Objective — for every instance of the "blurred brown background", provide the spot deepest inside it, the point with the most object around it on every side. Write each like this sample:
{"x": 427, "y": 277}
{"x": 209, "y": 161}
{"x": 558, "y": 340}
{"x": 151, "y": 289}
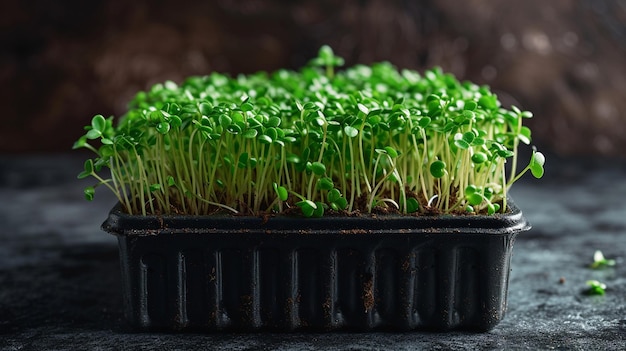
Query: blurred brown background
{"x": 61, "y": 62}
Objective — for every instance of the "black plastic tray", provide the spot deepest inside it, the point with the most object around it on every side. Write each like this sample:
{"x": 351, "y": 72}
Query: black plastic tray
{"x": 337, "y": 273}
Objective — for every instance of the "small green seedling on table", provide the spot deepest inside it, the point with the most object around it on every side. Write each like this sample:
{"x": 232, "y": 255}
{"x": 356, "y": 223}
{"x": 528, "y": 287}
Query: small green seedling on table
{"x": 595, "y": 287}
{"x": 600, "y": 262}
{"x": 365, "y": 139}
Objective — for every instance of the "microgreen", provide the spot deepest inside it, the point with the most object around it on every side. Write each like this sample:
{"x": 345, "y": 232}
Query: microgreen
{"x": 595, "y": 287}
{"x": 364, "y": 138}
{"x": 599, "y": 261}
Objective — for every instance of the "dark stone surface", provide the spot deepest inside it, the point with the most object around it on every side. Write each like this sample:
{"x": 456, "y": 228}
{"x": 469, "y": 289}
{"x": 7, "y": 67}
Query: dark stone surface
{"x": 60, "y": 280}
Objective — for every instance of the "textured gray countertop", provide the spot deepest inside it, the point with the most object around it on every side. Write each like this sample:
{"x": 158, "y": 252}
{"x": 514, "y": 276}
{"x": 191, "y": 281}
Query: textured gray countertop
{"x": 60, "y": 281}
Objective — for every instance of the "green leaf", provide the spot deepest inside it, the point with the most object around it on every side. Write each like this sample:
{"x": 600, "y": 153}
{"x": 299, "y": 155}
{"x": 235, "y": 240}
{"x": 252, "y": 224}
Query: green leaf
{"x": 334, "y": 195}
{"x": 363, "y": 108}
{"x": 340, "y": 204}
{"x": 307, "y": 207}
{"x": 412, "y": 205}
{"x": 272, "y": 133}
{"x": 374, "y": 120}
{"x": 475, "y": 199}
{"x": 391, "y": 152}
{"x": 253, "y": 162}
{"x": 264, "y": 139}
{"x": 536, "y": 164}
{"x": 155, "y": 187}
{"x": 374, "y": 112}
{"x": 488, "y": 192}
{"x": 234, "y": 129}
{"x": 299, "y": 105}
{"x": 479, "y": 157}
{"x": 325, "y": 183}
{"x": 98, "y": 122}
{"x": 326, "y": 53}
{"x": 478, "y": 141}
{"x": 175, "y": 121}
{"x": 434, "y": 106}
{"x": 505, "y": 153}
{"x": 595, "y": 287}
{"x": 225, "y": 120}
{"x": 468, "y": 115}
{"x": 424, "y": 122}
{"x": 246, "y": 107}
{"x": 93, "y": 134}
{"x": 319, "y": 121}
{"x": 171, "y": 181}
{"x": 319, "y": 210}
{"x": 470, "y": 106}
{"x": 318, "y": 168}
{"x": 461, "y": 144}
{"x": 311, "y": 106}
{"x": 293, "y": 158}
{"x": 350, "y": 131}
{"x": 281, "y": 191}
{"x": 468, "y": 137}
{"x": 491, "y": 209}
{"x": 80, "y": 143}
{"x": 488, "y": 102}
{"x": 273, "y": 122}
{"x": 163, "y": 127}
{"x": 450, "y": 127}
{"x": 205, "y": 108}
{"x": 88, "y": 166}
{"x": 155, "y": 116}
{"x": 599, "y": 261}
{"x": 438, "y": 169}
{"x": 89, "y": 193}
{"x": 470, "y": 189}
{"x": 250, "y": 133}
{"x": 238, "y": 118}
{"x": 539, "y": 158}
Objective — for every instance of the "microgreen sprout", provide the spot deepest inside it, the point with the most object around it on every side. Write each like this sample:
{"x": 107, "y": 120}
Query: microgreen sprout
{"x": 600, "y": 262}
{"x": 595, "y": 288}
{"x": 364, "y": 138}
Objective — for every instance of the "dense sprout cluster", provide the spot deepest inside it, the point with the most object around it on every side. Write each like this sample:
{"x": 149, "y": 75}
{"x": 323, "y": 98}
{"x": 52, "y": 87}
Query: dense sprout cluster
{"x": 367, "y": 138}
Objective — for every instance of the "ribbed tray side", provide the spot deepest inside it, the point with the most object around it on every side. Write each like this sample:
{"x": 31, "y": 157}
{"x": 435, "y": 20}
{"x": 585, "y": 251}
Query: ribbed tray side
{"x": 207, "y": 283}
